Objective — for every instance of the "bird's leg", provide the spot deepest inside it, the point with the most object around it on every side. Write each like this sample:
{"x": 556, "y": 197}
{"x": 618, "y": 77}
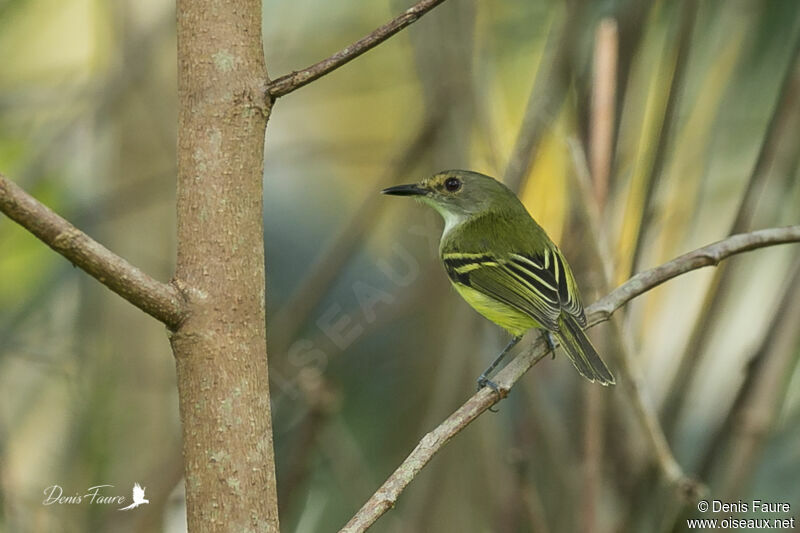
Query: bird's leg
{"x": 548, "y": 338}
{"x": 483, "y": 380}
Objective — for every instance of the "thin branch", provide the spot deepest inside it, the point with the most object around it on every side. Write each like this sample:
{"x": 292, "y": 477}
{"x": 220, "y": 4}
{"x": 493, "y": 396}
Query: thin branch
{"x": 710, "y": 255}
{"x": 160, "y": 300}
{"x": 386, "y": 496}
{"x": 288, "y": 83}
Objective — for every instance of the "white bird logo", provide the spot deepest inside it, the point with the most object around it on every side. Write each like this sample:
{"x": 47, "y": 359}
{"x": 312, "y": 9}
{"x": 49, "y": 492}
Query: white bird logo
{"x": 138, "y": 498}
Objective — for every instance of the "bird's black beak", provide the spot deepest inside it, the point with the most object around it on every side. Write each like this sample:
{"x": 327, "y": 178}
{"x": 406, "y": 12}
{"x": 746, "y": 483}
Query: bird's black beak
{"x": 405, "y": 190}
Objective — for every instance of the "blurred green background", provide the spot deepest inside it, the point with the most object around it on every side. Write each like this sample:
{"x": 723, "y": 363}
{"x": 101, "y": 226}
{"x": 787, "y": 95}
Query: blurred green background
{"x": 369, "y": 348}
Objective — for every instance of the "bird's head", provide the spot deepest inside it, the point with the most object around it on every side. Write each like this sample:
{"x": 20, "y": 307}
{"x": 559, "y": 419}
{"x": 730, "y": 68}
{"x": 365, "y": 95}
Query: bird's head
{"x": 459, "y": 194}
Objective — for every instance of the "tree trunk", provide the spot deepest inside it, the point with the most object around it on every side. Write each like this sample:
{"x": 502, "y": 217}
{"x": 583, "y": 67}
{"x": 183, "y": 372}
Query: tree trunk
{"x": 220, "y": 348}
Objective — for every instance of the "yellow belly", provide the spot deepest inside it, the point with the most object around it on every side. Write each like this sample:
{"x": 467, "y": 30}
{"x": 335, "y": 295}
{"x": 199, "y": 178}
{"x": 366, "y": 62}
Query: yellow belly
{"x": 505, "y": 316}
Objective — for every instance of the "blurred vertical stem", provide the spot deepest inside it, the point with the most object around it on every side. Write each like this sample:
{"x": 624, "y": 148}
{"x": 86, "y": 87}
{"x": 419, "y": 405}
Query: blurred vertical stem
{"x": 761, "y": 405}
{"x": 546, "y": 96}
{"x": 730, "y": 456}
{"x": 603, "y": 107}
{"x": 784, "y": 117}
{"x": 686, "y": 27}
{"x": 321, "y": 402}
{"x": 220, "y": 348}
{"x": 757, "y": 403}
{"x": 631, "y": 24}
{"x": 601, "y": 154}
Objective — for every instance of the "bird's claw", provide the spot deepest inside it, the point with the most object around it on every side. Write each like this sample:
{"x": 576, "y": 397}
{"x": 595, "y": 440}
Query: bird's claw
{"x": 548, "y": 337}
{"x": 483, "y": 381}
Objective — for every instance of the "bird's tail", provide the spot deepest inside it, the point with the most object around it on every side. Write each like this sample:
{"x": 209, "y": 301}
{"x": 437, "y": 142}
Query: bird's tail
{"x": 581, "y": 352}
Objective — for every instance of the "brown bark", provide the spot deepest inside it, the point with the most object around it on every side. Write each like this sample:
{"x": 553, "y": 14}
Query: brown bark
{"x": 220, "y": 347}
{"x": 157, "y": 299}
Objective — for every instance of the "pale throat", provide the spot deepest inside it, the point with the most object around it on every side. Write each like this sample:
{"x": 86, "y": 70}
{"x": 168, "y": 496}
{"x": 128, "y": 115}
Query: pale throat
{"x": 451, "y": 221}
{"x": 452, "y": 218}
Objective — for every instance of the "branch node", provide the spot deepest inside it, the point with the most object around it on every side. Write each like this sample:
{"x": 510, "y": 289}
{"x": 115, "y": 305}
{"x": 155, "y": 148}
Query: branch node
{"x": 689, "y": 489}
{"x": 388, "y": 502}
{"x": 66, "y": 237}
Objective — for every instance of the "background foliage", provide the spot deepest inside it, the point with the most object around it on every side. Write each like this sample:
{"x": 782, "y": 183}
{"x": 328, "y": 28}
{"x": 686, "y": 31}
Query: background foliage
{"x": 369, "y": 348}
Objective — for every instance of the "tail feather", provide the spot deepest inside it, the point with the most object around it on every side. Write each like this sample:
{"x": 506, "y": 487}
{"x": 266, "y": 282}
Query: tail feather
{"x": 581, "y": 352}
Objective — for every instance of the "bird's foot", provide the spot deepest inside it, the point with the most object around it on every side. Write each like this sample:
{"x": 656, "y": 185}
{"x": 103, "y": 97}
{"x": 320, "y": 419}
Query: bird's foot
{"x": 483, "y": 381}
{"x": 548, "y": 338}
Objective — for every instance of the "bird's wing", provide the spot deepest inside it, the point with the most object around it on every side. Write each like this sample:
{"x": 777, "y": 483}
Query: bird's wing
{"x": 568, "y": 294}
{"x": 531, "y": 284}
{"x": 138, "y": 492}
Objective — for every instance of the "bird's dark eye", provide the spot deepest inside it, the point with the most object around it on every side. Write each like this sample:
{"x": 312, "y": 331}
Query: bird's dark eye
{"x": 452, "y": 184}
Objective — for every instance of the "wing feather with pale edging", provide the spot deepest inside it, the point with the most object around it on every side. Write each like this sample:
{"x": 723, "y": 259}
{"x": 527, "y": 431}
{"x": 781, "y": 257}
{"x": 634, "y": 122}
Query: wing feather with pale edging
{"x": 540, "y": 286}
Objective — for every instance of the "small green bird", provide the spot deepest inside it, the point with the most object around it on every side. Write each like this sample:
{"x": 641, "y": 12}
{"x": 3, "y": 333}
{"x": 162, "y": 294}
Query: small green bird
{"x": 506, "y": 267}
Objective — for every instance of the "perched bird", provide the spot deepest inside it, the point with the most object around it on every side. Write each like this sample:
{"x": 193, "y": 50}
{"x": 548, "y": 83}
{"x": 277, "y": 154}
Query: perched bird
{"x": 506, "y": 267}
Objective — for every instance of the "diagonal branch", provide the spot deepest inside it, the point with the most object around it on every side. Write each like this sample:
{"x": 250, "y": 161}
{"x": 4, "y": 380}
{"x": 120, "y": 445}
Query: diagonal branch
{"x": 386, "y": 496}
{"x": 160, "y": 300}
{"x": 288, "y": 83}
{"x": 710, "y": 255}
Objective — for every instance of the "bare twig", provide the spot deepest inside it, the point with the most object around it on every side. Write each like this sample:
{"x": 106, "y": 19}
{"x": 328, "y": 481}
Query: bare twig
{"x": 160, "y": 300}
{"x": 710, "y": 255}
{"x": 288, "y": 83}
{"x": 600, "y": 311}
